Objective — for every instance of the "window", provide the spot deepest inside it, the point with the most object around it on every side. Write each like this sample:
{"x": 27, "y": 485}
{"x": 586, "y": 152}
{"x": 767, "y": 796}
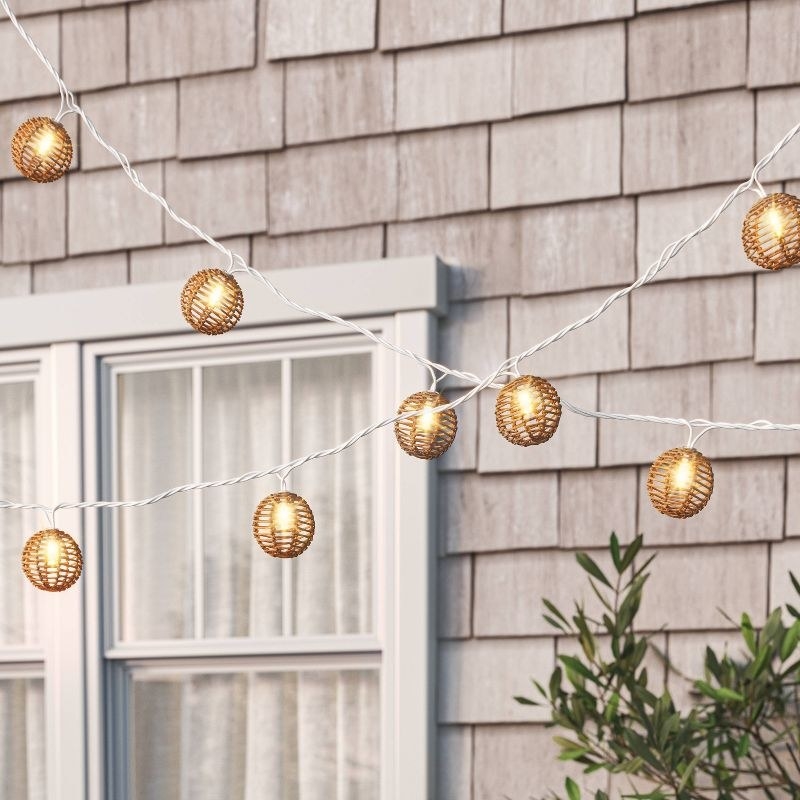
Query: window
{"x": 186, "y": 662}
{"x": 21, "y": 654}
{"x": 188, "y": 570}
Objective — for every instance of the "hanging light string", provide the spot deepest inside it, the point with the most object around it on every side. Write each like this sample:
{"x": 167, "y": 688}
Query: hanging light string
{"x": 509, "y": 367}
{"x": 236, "y": 263}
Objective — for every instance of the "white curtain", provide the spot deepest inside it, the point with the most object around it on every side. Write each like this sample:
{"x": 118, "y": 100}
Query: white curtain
{"x": 21, "y": 699}
{"x": 156, "y": 554}
{"x": 240, "y": 736}
{"x": 17, "y": 482}
{"x": 254, "y": 735}
{"x": 22, "y": 762}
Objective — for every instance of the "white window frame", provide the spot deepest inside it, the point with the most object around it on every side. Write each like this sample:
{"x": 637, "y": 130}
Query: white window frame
{"x": 397, "y": 298}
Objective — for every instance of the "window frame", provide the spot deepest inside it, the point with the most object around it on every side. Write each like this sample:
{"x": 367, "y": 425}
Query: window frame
{"x": 401, "y": 299}
{"x": 104, "y": 361}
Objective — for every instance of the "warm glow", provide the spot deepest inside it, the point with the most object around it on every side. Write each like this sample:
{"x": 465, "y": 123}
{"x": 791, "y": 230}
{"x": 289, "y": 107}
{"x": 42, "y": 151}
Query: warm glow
{"x": 215, "y": 296}
{"x": 45, "y": 143}
{"x": 683, "y": 475}
{"x": 426, "y": 421}
{"x": 53, "y": 552}
{"x": 284, "y": 517}
{"x": 776, "y": 220}
{"x": 528, "y": 401}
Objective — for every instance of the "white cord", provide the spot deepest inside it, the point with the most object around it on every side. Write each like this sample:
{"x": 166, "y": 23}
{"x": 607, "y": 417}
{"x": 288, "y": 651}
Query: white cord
{"x": 509, "y": 367}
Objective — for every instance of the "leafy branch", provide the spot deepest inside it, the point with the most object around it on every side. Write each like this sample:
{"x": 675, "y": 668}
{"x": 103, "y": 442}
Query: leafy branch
{"x": 741, "y": 735}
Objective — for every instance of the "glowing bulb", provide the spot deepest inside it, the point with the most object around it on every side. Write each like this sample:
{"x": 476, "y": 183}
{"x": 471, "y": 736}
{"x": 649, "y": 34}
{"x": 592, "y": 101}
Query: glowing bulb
{"x": 528, "y": 401}
{"x": 215, "y": 296}
{"x": 426, "y": 421}
{"x": 284, "y": 516}
{"x": 683, "y": 475}
{"x": 53, "y": 552}
{"x": 776, "y": 220}
{"x": 45, "y": 143}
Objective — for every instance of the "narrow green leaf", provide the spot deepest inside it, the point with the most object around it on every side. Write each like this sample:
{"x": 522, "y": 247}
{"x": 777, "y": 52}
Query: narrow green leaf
{"x": 795, "y": 582}
{"x": 589, "y": 565}
{"x": 554, "y": 611}
{"x": 743, "y": 746}
{"x": 631, "y": 551}
{"x": 793, "y": 611}
{"x": 615, "y": 556}
{"x": 573, "y": 792}
{"x": 577, "y": 666}
{"x": 790, "y": 639}
{"x": 729, "y": 694}
{"x": 525, "y": 701}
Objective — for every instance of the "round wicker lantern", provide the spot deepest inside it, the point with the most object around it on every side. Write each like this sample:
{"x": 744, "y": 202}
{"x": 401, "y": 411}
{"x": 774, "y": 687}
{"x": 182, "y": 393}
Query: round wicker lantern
{"x": 431, "y": 433}
{"x": 41, "y": 149}
{"x": 771, "y": 231}
{"x": 212, "y": 301}
{"x": 528, "y": 410}
{"x": 52, "y": 560}
{"x": 680, "y": 482}
{"x": 283, "y": 525}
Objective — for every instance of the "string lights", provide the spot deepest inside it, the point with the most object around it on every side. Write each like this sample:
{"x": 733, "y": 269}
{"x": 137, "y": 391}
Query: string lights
{"x": 771, "y": 231}
{"x": 283, "y": 525}
{"x": 41, "y": 150}
{"x": 212, "y": 301}
{"x": 680, "y": 482}
{"x": 528, "y": 409}
{"x": 430, "y": 433}
{"x": 52, "y": 560}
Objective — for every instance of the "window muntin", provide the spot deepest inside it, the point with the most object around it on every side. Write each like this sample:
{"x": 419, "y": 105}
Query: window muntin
{"x": 188, "y": 568}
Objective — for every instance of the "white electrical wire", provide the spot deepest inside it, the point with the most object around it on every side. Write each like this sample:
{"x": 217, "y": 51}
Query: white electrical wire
{"x": 509, "y": 367}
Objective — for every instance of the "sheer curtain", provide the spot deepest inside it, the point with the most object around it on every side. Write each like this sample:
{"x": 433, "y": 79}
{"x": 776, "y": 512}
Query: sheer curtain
{"x": 156, "y": 556}
{"x": 251, "y": 735}
{"x": 21, "y": 699}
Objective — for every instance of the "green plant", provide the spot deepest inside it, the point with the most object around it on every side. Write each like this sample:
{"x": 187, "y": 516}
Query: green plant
{"x": 741, "y": 737}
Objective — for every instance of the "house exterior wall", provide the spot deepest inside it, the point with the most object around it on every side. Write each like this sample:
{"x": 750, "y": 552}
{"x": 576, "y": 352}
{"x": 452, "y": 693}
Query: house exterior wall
{"x": 550, "y": 148}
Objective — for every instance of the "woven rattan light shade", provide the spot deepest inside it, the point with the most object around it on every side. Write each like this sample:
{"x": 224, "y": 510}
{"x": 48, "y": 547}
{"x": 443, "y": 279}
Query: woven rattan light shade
{"x": 212, "y": 301}
{"x": 41, "y": 149}
{"x": 429, "y": 434}
{"x": 528, "y": 410}
{"x": 283, "y": 525}
{"x": 52, "y": 560}
{"x": 680, "y": 482}
{"x": 771, "y": 231}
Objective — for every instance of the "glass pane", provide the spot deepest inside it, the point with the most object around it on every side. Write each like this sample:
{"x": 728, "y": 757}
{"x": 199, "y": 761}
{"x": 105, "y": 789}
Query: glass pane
{"x": 17, "y": 482}
{"x": 22, "y": 761}
{"x": 311, "y": 735}
{"x": 154, "y": 451}
{"x": 332, "y": 397}
{"x": 241, "y": 432}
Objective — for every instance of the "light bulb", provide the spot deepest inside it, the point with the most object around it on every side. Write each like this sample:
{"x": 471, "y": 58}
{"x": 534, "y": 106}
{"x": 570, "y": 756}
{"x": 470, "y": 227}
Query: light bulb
{"x": 283, "y": 525}
{"x": 212, "y": 301}
{"x": 45, "y": 143}
{"x": 215, "y": 296}
{"x": 680, "y": 482}
{"x": 528, "y": 401}
{"x": 52, "y": 560}
{"x": 776, "y": 221}
{"x": 426, "y": 421}
{"x": 284, "y": 516}
{"x": 683, "y": 475}
{"x": 53, "y": 552}
{"x": 41, "y": 149}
